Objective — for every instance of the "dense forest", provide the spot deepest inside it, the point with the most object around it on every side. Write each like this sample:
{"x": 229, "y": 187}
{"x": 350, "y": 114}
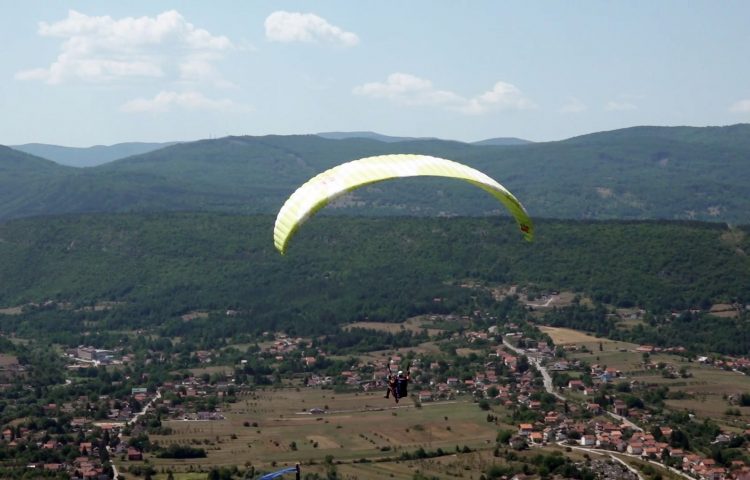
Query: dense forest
{"x": 633, "y": 173}
{"x": 698, "y": 332}
{"x": 140, "y": 271}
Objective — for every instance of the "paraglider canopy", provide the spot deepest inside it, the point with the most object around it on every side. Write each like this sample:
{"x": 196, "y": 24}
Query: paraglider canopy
{"x": 283, "y": 471}
{"x": 325, "y": 187}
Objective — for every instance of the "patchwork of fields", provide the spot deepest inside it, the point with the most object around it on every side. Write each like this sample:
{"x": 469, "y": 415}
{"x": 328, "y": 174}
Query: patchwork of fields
{"x": 274, "y": 427}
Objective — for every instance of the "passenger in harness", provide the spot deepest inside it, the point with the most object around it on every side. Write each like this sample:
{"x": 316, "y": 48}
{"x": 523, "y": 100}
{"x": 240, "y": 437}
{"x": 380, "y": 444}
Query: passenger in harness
{"x": 391, "y": 387}
{"x": 397, "y": 384}
{"x": 402, "y": 382}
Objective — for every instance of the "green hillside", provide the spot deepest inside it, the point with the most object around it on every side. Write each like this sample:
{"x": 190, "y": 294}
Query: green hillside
{"x": 25, "y": 182}
{"x": 342, "y": 269}
{"x": 635, "y": 173}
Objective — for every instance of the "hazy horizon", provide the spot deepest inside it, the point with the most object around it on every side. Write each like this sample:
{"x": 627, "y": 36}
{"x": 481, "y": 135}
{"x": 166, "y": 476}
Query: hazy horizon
{"x": 349, "y": 132}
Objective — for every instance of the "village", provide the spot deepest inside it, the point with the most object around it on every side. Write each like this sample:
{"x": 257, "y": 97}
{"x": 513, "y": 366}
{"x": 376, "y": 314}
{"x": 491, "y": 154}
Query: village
{"x": 554, "y": 393}
{"x": 625, "y": 436}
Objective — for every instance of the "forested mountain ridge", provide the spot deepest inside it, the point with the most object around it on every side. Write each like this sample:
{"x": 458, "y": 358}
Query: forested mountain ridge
{"x": 161, "y": 266}
{"x": 25, "y": 180}
{"x": 732, "y": 136}
{"x": 635, "y": 173}
{"x": 14, "y": 162}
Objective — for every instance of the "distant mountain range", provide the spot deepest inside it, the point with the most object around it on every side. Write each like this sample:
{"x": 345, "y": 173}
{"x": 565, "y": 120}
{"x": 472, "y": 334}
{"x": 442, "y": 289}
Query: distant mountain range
{"x": 634, "y": 173}
{"x": 500, "y": 141}
{"x": 101, "y": 154}
{"x": 503, "y": 141}
{"x": 89, "y": 156}
{"x": 370, "y": 135}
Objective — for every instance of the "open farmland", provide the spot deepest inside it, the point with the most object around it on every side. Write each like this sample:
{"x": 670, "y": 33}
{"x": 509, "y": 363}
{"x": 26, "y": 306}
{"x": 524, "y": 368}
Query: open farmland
{"x": 414, "y": 325}
{"x": 461, "y": 465}
{"x": 567, "y": 336}
{"x": 182, "y": 476}
{"x": 276, "y": 426}
{"x": 421, "y": 349}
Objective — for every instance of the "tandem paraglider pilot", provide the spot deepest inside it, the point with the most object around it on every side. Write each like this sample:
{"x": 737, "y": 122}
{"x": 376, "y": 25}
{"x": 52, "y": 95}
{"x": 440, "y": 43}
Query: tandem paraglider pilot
{"x": 398, "y": 384}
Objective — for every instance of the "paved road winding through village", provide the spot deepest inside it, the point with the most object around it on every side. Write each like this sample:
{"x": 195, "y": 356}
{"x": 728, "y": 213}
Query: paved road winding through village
{"x": 536, "y": 361}
{"x": 538, "y": 365}
{"x": 132, "y": 420}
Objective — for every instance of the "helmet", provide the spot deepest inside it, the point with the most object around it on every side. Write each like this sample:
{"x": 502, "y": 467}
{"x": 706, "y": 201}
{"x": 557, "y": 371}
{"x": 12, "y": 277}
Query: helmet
{"x": 400, "y": 372}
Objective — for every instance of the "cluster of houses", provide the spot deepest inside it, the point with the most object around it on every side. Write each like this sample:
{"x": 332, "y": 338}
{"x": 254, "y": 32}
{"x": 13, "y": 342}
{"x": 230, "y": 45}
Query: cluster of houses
{"x": 622, "y": 438}
{"x": 736, "y": 364}
{"x": 118, "y": 410}
{"x": 283, "y": 344}
{"x": 597, "y": 434}
{"x": 646, "y": 446}
{"x": 707, "y": 469}
{"x": 555, "y": 426}
{"x": 82, "y": 468}
{"x": 559, "y": 427}
{"x": 371, "y": 376}
{"x": 197, "y": 387}
{"x": 86, "y": 356}
{"x": 90, "y": 432}
{"x": 319, "y": 381}
{"x": 599, "y": 377}
{"x": 87, "y": 465}
{"x": 519, "y": 390}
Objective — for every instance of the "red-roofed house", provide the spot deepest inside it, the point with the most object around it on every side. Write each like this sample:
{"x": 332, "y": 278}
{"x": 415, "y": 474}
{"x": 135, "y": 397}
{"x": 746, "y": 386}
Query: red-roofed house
{"x": 575, "y": 385}
{"x": 134, "y": 454}
{"x": 588, "y": 440}
{"x": 525, "y": 429}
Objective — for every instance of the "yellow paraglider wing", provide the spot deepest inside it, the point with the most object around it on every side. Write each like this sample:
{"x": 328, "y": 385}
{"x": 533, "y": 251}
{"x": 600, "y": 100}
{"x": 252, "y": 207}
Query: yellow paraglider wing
{"x": 325, "y": 187}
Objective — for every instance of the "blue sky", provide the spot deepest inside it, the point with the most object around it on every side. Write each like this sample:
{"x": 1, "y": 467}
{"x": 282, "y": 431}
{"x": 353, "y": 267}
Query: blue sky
{"x": 80, "y": 73}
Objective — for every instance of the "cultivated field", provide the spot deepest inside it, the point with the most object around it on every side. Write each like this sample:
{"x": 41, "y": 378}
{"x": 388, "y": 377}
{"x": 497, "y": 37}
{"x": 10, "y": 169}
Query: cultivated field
{"x": 567, "y": 336}
{"x": 415, "y": 325}
{"x": 421, "y": 349}
{"x": 274, "y": 428}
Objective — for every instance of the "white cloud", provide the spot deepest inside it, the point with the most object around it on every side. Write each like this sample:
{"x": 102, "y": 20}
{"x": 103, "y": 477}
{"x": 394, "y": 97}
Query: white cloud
{"x": 573, "y": 105}
{"x": 409, "y": 90}
{"x": 166, "y": 101}
{"x": 503, "y": 96}
{"x": 619, "y": 106}
{"x": 287, "y": 27}
{"x": 200, "y": 68}
{"x": 102, "y": 49}
{"x": 743, "y": 106}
